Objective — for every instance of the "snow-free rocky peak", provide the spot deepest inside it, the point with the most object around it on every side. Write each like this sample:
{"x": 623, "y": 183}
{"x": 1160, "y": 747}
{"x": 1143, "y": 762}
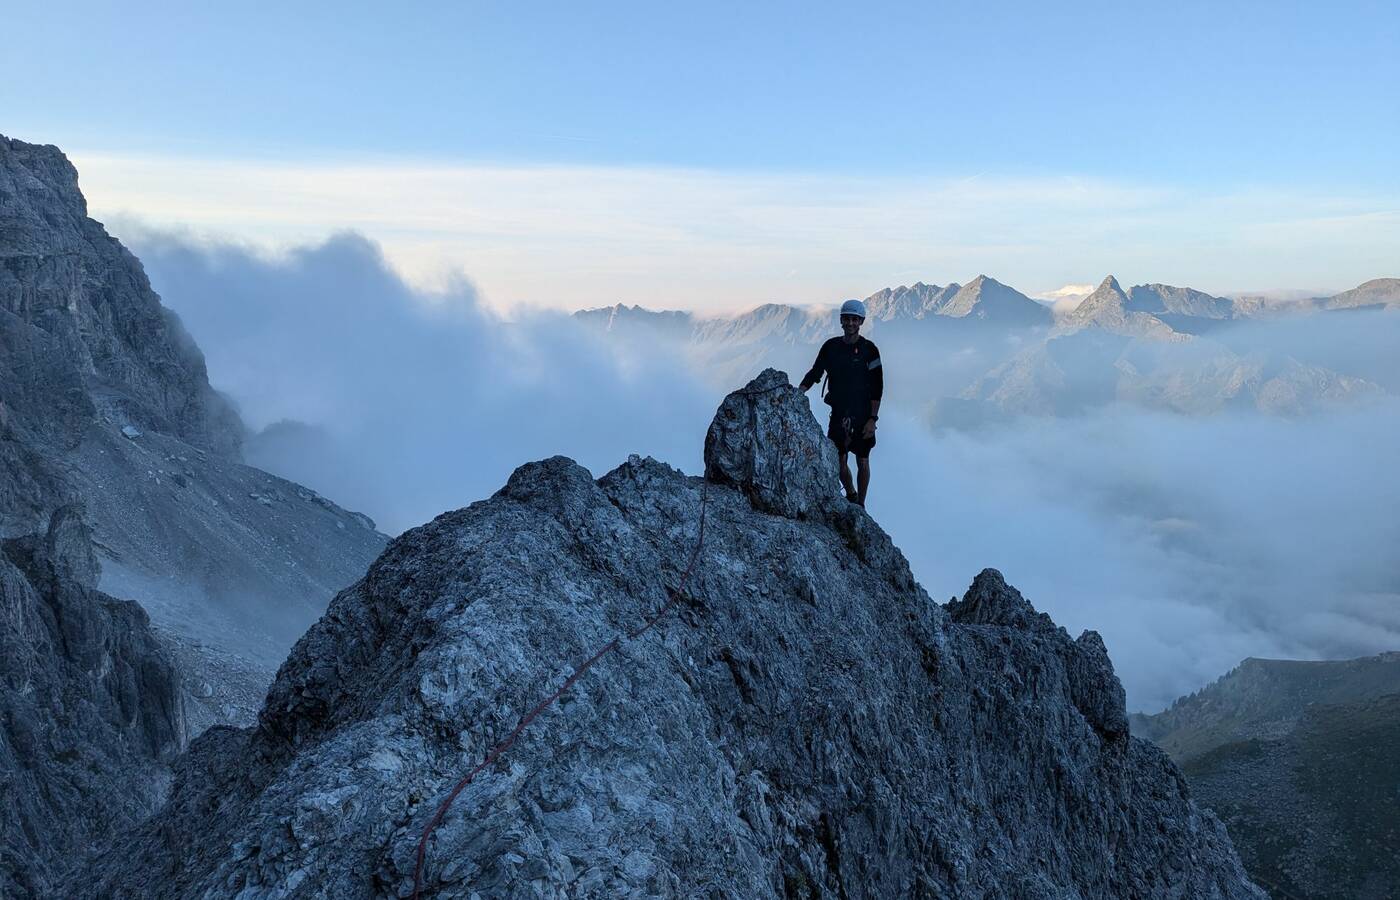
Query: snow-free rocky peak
{"x": 989, "y": 299}
{"x": 804, "y": 723}
{"x": 1109, "y": 308}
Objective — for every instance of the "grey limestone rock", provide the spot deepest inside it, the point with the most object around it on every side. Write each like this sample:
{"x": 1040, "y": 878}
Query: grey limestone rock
{"x": 1165, "y": 299}
{"x": 803, "y": 723}
{"x": 90, "y": 713}
{"x": 104, "y": 401}
{"x": 119, "y": 474}
{"x": 63, "y": 276}
{"x": 762, "y": 441}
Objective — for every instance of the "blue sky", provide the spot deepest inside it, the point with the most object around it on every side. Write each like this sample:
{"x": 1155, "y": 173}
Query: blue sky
{"x": 1198, "y": 101}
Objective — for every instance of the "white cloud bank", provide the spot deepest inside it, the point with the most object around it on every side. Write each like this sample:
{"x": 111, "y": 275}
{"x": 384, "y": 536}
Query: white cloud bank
{"x": 1189, "y": 543}
{"x": 579, "y": 236}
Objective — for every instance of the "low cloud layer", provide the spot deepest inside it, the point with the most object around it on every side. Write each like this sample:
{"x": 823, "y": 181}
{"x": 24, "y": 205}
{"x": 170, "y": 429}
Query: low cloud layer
{"x": 404, "y": 405}
{"x": 1189, "y": 543}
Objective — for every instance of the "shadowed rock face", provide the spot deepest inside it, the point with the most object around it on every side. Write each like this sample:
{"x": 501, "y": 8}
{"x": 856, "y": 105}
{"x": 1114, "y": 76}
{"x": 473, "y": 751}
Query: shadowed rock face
{"x": 67, "y": 283}
{"x": 90, "y": 712}
{"x": 104, "y": 401}
{"x": 806, "y": 722}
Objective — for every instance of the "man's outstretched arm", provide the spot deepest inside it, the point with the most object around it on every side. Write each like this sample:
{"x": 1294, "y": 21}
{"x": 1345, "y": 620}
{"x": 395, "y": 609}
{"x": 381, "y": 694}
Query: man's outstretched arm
{"x": 814, "y": 374}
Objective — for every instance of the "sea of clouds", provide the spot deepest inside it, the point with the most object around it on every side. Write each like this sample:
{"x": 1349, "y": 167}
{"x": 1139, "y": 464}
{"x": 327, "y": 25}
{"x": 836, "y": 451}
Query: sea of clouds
{"x": 1190, "y": 543}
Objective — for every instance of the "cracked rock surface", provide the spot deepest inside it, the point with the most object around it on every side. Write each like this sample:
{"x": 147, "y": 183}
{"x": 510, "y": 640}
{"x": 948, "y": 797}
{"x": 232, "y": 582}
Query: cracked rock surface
{"x": 90, "y": 712}
{"x": 805, "y": 723}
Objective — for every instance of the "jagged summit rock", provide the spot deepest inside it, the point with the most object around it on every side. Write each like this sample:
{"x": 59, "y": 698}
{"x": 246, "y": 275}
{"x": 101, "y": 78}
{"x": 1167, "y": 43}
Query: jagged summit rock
{"x": 765, "y": 442}
{"x": 805, "y": 722}
{"x": 1107, "y": 297}
{"x": 991, "y": 601}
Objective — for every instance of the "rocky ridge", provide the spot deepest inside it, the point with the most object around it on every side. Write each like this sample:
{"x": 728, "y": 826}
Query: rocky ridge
{"x": 806, "y": 722}
{"x": 1378, "y": 292}
{"x": 1165, "y": 299}
{"x": 1265, "y": 698}
{"x": 989, "y": 300}
{"x": 1071, "y": 373}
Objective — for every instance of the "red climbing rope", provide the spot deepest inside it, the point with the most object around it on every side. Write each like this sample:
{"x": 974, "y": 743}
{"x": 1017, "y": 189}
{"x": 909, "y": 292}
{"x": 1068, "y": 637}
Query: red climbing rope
{"x": 611, "y": 645}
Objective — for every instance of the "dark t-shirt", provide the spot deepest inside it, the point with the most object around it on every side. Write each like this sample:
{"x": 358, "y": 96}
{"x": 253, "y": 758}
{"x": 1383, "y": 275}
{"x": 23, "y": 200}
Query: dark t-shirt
{"x": 855, "y": 376}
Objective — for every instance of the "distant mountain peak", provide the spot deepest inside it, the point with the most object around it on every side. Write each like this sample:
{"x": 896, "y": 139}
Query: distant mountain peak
{"x": 1108, "y": 308}
{"x": 1158, "y": 299}
{"x": 1376, "y": 292}
{"x": 986, "y": 298}
{"x": 1389, "y": 283}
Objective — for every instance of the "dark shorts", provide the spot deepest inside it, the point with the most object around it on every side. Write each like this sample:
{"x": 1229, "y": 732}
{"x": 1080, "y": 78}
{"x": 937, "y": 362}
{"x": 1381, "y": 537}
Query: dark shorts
{"x": 845, "y": 433}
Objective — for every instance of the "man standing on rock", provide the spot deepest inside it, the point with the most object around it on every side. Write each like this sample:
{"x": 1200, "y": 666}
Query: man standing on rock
{"x": 855, "y": 383}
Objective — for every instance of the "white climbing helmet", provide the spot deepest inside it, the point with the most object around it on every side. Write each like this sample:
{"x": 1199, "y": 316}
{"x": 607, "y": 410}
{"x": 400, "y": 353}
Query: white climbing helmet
{"x": 853, "y": 308}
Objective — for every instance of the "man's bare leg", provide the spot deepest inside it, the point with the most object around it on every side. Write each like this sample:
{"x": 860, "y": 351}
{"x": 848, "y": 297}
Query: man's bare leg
{"x": 862, "y": 476}
{"x": 846, "y": 476}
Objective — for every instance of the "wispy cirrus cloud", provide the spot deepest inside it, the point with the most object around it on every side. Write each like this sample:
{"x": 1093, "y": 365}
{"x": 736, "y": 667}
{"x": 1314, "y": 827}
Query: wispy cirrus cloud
{"x": 569, "y": 236}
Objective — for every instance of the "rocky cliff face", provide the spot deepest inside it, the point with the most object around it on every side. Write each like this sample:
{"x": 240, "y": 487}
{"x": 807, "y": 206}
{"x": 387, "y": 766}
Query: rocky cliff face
{"x": 90, "y": 712}
{"x": 70, "y": 291}
{"x": 804, "y": 722}
{"x": 104, "y": 401}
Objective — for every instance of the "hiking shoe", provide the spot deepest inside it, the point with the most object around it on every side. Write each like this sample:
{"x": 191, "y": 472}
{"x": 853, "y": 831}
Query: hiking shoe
{"x": 853, "y": 497}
